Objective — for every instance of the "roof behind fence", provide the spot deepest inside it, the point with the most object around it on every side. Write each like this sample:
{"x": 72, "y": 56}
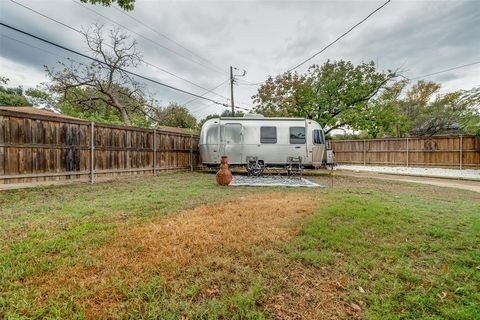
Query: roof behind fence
{"x": 38, "y": 111}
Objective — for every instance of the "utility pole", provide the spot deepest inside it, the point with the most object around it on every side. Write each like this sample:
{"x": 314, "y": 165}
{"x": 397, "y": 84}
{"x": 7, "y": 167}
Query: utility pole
{"x": 231, "y": 91}
{"x": 232, "y": 81}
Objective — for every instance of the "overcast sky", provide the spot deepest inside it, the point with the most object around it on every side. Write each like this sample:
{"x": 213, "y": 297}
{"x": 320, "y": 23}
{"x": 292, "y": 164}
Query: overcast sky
{"x": 262, "y": 37}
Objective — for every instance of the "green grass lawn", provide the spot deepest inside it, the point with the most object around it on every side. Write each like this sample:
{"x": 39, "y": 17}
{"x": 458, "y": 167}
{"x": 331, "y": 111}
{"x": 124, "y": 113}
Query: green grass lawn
{"x": 415, "y": 254}
{"x": 396, "y": 250}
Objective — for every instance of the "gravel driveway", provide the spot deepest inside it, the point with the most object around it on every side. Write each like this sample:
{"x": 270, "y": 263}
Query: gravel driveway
{"x": 414, "y": 171}
{"x": 441, "y": 182}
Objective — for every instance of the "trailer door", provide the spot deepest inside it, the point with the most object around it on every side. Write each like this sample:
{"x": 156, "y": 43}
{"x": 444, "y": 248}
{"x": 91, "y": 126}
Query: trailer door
{"x": 318, "y": 148}
{"x": 232, "y": 142}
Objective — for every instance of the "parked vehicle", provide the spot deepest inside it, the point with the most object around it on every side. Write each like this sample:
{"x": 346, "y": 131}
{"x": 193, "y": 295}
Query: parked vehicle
{"x": 257, "y": 141}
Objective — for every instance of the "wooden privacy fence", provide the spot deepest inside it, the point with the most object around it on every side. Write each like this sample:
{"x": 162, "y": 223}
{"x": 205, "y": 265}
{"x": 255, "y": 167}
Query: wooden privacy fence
{"x": 39, "y": 147}
{"x": 438, "y": 151}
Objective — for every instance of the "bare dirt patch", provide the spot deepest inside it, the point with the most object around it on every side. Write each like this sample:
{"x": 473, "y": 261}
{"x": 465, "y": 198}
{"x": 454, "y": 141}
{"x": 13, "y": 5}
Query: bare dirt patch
{"x": 226, "y": 231}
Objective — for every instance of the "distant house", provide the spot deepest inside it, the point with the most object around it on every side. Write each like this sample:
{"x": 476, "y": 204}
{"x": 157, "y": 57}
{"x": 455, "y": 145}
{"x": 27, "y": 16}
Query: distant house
{"x": 454, "y": 129}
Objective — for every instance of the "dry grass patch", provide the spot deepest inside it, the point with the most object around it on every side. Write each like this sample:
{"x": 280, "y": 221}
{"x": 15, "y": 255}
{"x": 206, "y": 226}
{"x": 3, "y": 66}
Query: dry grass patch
{"x": 224, "y": 234}
{"x": 187, "y": 238}
{"x": 310, "y": 293}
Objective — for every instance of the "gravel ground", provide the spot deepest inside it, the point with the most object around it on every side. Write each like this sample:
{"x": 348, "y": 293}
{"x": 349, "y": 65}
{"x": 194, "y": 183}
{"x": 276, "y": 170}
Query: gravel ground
{"x": 432, "y": 172}
{"x": 273, "y": 181}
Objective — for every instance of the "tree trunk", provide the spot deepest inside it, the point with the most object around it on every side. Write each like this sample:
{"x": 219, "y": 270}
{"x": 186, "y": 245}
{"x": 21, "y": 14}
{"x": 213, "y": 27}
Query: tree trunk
{"x": 121, "y": 109}
{"x": 125, "y": 118}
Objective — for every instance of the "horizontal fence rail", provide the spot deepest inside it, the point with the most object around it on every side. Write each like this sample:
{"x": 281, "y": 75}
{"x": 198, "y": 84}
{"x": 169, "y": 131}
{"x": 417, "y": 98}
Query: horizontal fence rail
{"x": 438, "y": 151}
{"x": 41, "y": 148}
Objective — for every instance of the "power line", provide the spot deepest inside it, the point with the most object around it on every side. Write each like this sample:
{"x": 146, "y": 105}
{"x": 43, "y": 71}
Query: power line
{"x": 340, "y": 37}
{"x": 45, "y": 16}
{"x": 443, "y": 71}
{"x": 207, "y": 92}
{"x": 329, "y": 45}
{"x": 166, "y": 37}
{"x": 248, "y": 83}
{"x": 111, "y": 66}
{"x": 200, "y": 108}
{"x": 32, "y": 46}
{"x": 183, "y": 79}
{"x": 194, "y": 110}
{"x": 146, "y": 38}
{"x": 146, "y": 62}
{"x": 242, "y": 108}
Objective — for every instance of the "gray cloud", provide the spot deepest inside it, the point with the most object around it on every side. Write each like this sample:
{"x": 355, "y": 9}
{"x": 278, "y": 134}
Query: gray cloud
{"x": 263, "y": 37}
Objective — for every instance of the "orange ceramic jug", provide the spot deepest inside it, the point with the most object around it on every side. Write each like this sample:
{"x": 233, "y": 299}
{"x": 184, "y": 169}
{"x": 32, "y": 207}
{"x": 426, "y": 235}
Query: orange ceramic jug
{"x": 224, "y": 175}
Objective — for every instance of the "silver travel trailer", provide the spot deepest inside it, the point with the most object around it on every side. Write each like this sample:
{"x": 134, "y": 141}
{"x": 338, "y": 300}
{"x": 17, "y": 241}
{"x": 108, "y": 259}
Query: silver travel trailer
{"x": 264, "y": 141}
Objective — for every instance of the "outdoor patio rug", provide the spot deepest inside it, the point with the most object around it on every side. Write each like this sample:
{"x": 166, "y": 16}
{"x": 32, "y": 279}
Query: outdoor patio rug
{"x": 274, "y": 181}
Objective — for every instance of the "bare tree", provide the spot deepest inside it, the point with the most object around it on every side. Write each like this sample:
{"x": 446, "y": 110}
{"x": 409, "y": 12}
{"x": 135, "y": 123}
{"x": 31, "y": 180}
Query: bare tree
{"x": 102, "y": 84}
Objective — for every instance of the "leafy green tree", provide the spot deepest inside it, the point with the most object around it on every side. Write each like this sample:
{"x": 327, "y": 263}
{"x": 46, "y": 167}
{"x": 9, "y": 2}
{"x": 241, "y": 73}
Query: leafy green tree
{"x": 99, "y": 110}
{"x": 427, "y": 112}
{"x": 382, "y": 115}
{"x": 225, "y": 113}
{"x": 175, "y": 115}
{"x": 11, "y": 96}
{"x": 335, "y": 94}
{"x": 228, "y": 113}
{"x": 210, "y": 116}
{"x": 350, "y": 136}
{"x": 41, "y": 98}
{"x": 472, "y": 99}
{"x": 126, "y": 5}
{"x": 420, "y": 111}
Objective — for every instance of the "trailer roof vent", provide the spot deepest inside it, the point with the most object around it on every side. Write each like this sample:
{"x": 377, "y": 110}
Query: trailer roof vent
{"x": 253, "y": 116}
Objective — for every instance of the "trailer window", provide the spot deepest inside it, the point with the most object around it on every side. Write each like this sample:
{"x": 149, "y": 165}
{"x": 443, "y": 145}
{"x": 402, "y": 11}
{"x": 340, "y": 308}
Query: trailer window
{"x": 297, "y": 135}
{"x": 268, "y": 134}
{"x": 318, "y": 137}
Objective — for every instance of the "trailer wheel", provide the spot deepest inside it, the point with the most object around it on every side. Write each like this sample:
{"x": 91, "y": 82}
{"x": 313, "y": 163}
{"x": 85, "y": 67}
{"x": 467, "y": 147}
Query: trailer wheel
{"x": 255, "y": 168}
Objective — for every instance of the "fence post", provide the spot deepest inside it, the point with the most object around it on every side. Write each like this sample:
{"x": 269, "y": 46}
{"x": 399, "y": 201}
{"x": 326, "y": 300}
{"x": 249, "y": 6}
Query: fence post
{"x": 407, "y": 151}
{"x": 461, "y": 151}
{"x": 364, "y": 154}
{"x": 92, "y": 153}
{"x": 154, "y": 152}
{"x": 191, "y": 154}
